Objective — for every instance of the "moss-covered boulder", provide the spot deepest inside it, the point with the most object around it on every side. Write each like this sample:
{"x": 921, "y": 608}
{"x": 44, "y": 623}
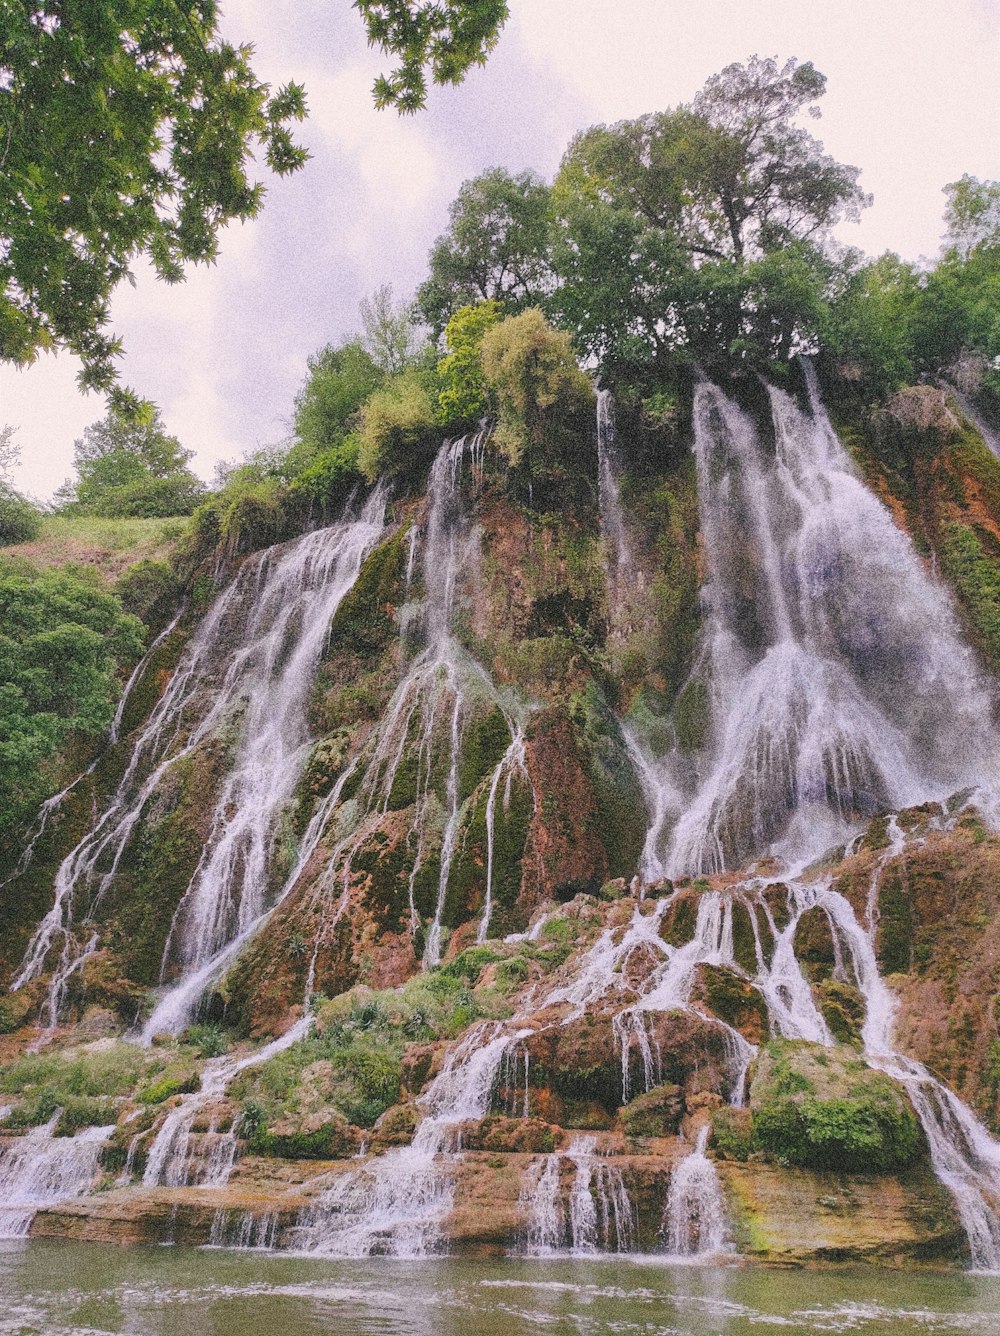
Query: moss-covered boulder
{"x": 825, "y": 1108}
{"x": 657, "y": 1113}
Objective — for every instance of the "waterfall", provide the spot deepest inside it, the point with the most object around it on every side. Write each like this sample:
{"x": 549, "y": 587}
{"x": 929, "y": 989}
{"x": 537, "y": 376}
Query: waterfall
{"x": 244, "y": 1229}
{"x": 694, "y": 1222}
{"x": 40, "y": 1169}
{"x": 837, "y": 681}
{"x": 395, "y": 1205}
{"x": 181, "y": 1157}
{"x": 595, "y": 1216}
{"x": 247, "y": 672}
{"x": 621, "y": 563}
{"x": 426, "y": 720}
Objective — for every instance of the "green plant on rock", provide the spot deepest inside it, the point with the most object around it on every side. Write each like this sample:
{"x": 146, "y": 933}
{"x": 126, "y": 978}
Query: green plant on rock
{"x": 540, "y": 391}
{"x": 463, "y": 396}
{"x": 824, "y": 1108}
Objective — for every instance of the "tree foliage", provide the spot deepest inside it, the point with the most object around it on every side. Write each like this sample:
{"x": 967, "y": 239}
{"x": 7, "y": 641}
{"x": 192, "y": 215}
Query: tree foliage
{"x": 700, "y": 227}
{"x": 495, "y": 248}
{"x": 19, "y": 519}
{"x": 972, "y": 216}
{"x": 463, "y": 393}
{"x": 128, "y": 130}
{"x": 392, "y": 337}
{"x": 444, "y": 38}
{"x": 338, "y": 382}
{"x": 396, "y": 419}
{"x": 128, "y": 465}
{"x": 538, "y": 388}
{"x": 62, "y": 641}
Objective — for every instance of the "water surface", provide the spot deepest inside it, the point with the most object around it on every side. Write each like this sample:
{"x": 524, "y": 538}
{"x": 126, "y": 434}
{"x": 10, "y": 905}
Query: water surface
{"x": 55, "y": 1289}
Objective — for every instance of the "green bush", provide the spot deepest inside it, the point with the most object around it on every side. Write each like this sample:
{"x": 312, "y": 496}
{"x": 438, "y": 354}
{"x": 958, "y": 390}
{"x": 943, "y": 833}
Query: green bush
{"x": 211, "y": 1041}
{"x": 168, "y": 1085}
{"x": 394, "y": 422}
{"x": 824, "y": 1108}
{"x": 540, "y": 391}
{"x": 471, "y": 963}
{"x": 19, "y": 519}
{"x": 150, "y": 591}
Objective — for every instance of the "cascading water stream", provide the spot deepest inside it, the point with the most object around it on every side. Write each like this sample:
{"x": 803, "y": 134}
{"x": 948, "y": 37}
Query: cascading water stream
{"x": 837, "y": 682}
{"x": 395, "y": 1205}
{"x": 694, "y": 1222}
{"x": 180, "y": 1157}
{"x": 248, "y": 670}
{"x": 427, "y": 717}
{"x": 40, "y": 1169}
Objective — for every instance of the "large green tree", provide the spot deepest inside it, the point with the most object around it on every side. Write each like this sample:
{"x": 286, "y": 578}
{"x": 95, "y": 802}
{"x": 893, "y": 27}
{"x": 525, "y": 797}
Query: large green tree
{"x": 496, "y": 248}
{"x": 62, "y": 642}
{"x": 128, "y": 464}
{"x": 700, "y": 227}
{"x": 130, "y": 128}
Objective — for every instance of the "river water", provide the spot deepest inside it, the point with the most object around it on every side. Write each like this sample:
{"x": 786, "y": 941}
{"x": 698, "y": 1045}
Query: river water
{"x": 58, "y": 1289}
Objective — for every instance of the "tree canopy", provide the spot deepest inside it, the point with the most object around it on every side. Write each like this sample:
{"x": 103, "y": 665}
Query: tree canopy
{"x": 129, "y": 129}
{"x": 671, "y": 229}
{"x": 63, "y": 639}
{"x": 444, "y": 38}
{"x": 495, "y": 248}
{"x": 129, "y": 465}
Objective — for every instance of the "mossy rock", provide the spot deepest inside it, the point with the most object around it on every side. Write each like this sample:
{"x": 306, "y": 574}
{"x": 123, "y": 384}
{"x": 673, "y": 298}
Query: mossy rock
{"x": 657, "y": 1113}
{"x": 823, "y": 1108}
{"x": 744, "y": 941}
{"x": 679, "y": 920}
{"x": 843, "y": 1009}
{"x": 894, "y": 936}
{"x": 733, "y": 1000}
{"x": 814, "y": 949}
{"x": 732, "y": 1133}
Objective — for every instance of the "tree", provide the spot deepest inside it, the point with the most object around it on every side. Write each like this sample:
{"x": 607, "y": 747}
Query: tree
{"x": 868, "y": 326}
{"x": 129, "y": 465}
{"x": 658, "y": 216}
{"x": 972, "y": 217}
{"x": 62, "y": 641}
{"x": 463, "y": 395}
{"x": 19, "y": 519}
{"x": 541, "y": 393}
{"x": 128, "y": 130}
{"x": 395, "y": 420}
{"x": 338, "y": 382}
{"x": 393, "y": 338}
{"x": 448, "y": 38}
{"x": 496, "y": 248}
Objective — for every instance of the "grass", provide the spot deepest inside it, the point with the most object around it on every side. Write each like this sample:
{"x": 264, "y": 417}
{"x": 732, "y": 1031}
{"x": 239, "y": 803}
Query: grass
{"x": 109, "y": 545}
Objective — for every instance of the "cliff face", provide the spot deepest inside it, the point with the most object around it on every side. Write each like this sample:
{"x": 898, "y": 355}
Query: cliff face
{"x": 400, "y": 779}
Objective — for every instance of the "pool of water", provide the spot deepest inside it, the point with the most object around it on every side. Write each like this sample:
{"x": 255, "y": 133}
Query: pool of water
{"x": 54, "y": 1289}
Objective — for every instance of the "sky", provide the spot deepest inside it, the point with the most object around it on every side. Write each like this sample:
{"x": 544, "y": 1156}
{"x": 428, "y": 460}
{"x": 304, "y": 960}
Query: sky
{"x": 913, "y": 98}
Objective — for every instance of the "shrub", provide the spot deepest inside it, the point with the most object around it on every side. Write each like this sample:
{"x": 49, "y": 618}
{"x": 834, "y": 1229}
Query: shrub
{"x": 471, "y": 963}
{"x": 823, "y": 1108}
{"x": 540, "y": 391}
{"x": 463, "y": 393}
{"x": 394, "y": 421}
{"x": 150, "y": 591}
{"x": 19, "y": 519}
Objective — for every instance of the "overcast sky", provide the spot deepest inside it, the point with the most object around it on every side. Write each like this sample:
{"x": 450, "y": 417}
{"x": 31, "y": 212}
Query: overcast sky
{"x": 913, "y": 98}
